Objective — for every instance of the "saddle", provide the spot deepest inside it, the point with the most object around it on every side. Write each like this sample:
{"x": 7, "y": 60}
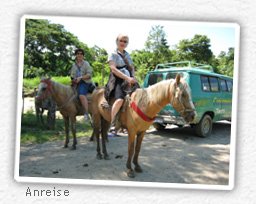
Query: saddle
{"x": 128, "y": 90}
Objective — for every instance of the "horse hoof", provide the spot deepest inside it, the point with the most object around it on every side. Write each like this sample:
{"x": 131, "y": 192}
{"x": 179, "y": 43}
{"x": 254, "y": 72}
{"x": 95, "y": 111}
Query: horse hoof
{"x": 73, "y": 148}
{"x": 106, "y": 157}
{"x": 138, "y": 169}
{"x": 130, "y": 173}
{"x": 65, "y": 146}
{"x": 99, "y": 156}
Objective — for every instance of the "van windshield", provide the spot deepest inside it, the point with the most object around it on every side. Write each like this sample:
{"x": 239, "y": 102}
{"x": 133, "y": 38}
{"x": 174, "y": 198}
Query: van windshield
{"x": 154, "y": 78}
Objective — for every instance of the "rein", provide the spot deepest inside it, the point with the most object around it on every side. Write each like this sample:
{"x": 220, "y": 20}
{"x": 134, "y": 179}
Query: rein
{"x": 68, "y": 101}
{"x": 48, "y": 89}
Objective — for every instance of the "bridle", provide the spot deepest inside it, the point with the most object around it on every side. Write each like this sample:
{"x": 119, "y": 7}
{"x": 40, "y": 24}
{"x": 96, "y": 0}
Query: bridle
{"x": 47, "y": 91}
{"x": 179, "y": 99}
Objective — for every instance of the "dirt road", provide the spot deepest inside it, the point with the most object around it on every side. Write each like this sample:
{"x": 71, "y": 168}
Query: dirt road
{"x": 173, "y": 156}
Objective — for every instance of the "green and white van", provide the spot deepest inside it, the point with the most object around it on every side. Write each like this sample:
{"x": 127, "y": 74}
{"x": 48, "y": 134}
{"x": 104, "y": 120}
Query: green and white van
{"x": 211, "y": 95}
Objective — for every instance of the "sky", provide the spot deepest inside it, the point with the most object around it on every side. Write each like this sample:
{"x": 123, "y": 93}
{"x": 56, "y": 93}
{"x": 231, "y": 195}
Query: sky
{"x": 103, "y": 31}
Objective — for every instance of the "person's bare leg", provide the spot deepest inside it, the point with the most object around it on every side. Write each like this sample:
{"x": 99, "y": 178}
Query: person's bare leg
{"x": 115, "y": 108}
{"x": 84, "y": 102}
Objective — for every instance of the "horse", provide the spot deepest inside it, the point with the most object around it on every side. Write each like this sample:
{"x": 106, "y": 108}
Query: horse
{"x": 139, "y": 113}
{"x": 67, "y": 103}
{"x": 42, "y": 105}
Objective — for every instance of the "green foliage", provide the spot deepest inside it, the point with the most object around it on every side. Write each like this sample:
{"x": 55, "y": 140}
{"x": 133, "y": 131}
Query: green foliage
{"x": 49, "y": 49}
{"x": 144, "y": 62}
{"x": 157, "y": 45}
{"x": 30, "y": 84}
{"x": 62, "y": 79}
{"x": 197, "y": 49}
{"x": 225, "y": 63}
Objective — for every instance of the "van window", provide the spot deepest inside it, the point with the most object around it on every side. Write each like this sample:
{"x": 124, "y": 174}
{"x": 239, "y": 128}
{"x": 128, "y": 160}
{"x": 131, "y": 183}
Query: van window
{"x": 223, "y": 85}
{"x": 172, "y": 75}
{"x": 154, "y": 78}
{"x": 214, "y": 84}
{"x": 230, "y": 85}
{"x": 205, "y": 83}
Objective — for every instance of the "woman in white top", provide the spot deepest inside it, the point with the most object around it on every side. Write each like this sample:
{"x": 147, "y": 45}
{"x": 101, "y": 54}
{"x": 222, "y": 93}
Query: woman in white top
{"x": 122, "y": 68}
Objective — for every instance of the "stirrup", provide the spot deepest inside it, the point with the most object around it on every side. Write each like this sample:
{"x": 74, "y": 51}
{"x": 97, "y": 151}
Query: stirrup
{"x": 105, "y": 105}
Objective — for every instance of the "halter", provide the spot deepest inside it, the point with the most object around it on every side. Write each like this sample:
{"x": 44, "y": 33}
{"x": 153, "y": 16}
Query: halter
{"x": 184, "y": 109}
{"x": 48, "y": 90}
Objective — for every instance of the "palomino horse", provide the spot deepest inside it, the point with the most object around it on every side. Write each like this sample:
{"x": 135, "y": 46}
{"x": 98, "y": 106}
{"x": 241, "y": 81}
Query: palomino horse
{"x": 143, "y": 106}
{"x": 67, "y": 102}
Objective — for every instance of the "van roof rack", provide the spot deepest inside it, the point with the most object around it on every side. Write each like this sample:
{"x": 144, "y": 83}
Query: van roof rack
{"x": 186, "y": 64}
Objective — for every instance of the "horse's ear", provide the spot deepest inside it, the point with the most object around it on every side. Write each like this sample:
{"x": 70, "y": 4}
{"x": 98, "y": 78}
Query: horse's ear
{"x": 177, "y": 79}
{"x": 48, "y": 77}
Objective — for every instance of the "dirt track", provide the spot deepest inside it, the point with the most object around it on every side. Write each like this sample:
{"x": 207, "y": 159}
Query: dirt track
{"x": 172, "y": 156}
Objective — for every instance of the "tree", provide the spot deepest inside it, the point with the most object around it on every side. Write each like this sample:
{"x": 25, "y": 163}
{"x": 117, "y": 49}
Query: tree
{"x": 100, "y": 66}
{"x": 156, "y": 39}
{"x": 226, "y": 62}
{"x": 49, "y": 48}
{"x": 157, "y": 44}
{"x": 144, "y": 62}
{"x": 197, "y": 49}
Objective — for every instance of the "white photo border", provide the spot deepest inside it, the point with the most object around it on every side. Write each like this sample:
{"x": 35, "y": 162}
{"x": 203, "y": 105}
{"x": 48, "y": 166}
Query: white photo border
{"x": 233, "y": 136}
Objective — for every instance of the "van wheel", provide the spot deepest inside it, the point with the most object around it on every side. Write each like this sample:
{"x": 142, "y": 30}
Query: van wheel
{"x": 159, "y": 126}
{"x": 204, "y": 127}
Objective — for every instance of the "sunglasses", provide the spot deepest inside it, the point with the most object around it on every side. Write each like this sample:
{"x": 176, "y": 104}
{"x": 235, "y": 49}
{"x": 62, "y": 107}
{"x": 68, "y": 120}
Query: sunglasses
{"x": 124, "y": 41}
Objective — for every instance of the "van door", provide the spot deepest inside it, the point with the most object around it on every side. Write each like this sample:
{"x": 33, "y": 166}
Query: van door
{"x": 226, "y": 103}
{"x": 211, "y": 93}
{"x": 216, "y": 97}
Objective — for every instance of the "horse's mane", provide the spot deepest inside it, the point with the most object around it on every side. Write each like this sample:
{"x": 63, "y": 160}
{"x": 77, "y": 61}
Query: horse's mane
{"x": 157, "y": 92}
{"x": 154, "y": 93}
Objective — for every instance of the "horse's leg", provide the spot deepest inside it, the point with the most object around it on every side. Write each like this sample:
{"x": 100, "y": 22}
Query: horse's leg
{"x": 104, "y": 134}
{"x": 41, "y": 116}
{"x": 49, "y": 122}
{"x": 66, "y": 120}
{"x": 37, "y": 114}
{"x": 139, "y": 139}
{"x": 93, "y": 133}
{"x": 96, "y": 131}
{"x": 73, "y": 128}
{"x": 131, "y": 138}
{"x": 92, "y": 136}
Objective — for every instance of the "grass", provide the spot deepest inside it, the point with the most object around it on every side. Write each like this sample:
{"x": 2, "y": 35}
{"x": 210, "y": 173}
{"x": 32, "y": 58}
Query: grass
{"x": 31, "y": 132}
{"x": 30, "y": 84}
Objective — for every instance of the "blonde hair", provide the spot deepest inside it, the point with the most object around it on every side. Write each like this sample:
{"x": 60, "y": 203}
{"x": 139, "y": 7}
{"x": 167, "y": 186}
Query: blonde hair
{"x": 121, "y": 36}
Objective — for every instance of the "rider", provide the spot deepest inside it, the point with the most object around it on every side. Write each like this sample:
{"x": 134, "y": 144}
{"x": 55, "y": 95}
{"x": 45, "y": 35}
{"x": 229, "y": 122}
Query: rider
{"x": 81, "y": 73}
{"x": 122, "y": 69}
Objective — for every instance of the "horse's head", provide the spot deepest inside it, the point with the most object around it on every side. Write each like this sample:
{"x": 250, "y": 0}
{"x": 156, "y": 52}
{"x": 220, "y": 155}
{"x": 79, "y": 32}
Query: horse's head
{"x": 181, "y": 99}
{"x": 44, "y": 89}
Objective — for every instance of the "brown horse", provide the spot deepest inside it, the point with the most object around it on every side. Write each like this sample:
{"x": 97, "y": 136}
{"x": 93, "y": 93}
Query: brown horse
{"x": 67, "y": 102}
{"x": 139, "y": 114}
{"x": 42, "y": 105}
